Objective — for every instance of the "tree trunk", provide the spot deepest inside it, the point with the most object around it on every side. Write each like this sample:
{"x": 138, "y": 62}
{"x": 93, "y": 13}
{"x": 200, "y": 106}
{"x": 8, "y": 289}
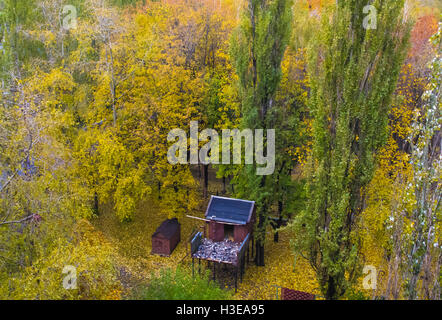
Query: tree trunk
{"x": 279, "y": 223}
{"x": 159, "y": 190}
{"x": 276, "y": 237}
{"x": 331, "y": 290}
{"x": 259, "y": 254}
{"x": 206, "y": 180}
{"x": 259, "y": 258}
{"x": 96, "y": 204}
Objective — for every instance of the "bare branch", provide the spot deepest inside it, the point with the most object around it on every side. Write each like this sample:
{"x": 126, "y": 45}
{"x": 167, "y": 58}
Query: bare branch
{"x": 17, "y": 221}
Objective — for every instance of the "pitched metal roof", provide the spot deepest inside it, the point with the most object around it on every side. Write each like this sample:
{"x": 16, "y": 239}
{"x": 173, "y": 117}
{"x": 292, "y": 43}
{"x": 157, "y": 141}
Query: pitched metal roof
{"x": 168, "y": 228}
{"x": 230, "y": 210}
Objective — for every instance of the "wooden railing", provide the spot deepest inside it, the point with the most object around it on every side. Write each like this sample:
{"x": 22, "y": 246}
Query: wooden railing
{"x": 196, "y": 242}
{"x": 242, "y": 249}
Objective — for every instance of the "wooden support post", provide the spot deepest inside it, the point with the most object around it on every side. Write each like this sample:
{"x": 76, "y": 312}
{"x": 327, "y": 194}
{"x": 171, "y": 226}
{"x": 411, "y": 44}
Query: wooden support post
{"x": 248, "y": 248}
{"x": 236, "y": 279}
{"x": 193, "y": 270}
{"x": 240, "y": 269}
{"x": 214, "y": 270}
{"x": 199, "y": 266}
{"x": 208, "y": 267}
{"x": 244, "y": 268}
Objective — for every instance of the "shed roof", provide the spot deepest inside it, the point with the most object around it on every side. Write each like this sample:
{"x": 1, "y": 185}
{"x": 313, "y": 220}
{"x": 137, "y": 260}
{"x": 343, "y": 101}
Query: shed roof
{"x": 168, "y": 228}
{"x": 230, "y": 210}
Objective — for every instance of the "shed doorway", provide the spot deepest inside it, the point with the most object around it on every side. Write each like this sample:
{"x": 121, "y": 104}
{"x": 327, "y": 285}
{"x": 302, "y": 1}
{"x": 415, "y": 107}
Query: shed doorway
{"x": 229, "y": 232}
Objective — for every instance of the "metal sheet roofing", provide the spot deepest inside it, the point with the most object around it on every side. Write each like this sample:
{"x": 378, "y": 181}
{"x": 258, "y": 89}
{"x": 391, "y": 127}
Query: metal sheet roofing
{"x": 167, "y": 229}
{"x": 230, "y": 210}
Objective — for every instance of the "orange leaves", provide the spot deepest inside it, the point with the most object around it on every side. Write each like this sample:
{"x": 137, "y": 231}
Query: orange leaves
{"x": 317, "y": 4}
{"x": 424, "y": 28}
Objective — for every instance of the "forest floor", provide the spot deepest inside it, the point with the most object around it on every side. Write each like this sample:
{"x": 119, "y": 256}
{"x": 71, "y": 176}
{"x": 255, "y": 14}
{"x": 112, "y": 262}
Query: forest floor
{"x": 133, "y": 243}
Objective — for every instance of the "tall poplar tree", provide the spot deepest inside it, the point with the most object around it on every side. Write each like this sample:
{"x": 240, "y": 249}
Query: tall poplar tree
{"x": 258, "y": 47}
{"x": 426, "y": 158}
{"x": 354, "y": 66}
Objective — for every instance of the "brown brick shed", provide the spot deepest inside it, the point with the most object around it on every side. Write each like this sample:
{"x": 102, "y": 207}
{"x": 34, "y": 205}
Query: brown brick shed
{"x": 166, "y": 237}
{"x": 230, "y": 218}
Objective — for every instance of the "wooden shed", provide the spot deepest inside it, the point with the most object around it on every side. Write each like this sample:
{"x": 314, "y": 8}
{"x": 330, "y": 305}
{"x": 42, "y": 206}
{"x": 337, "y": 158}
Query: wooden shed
{"x": 166, "y": 237}
{"x": 230, "y": 219}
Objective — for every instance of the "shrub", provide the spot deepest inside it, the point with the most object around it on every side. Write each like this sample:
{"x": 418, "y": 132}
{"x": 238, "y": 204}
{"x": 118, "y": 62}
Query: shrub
{"x": 180, "y": 285}
{"x": 354, "y": 294}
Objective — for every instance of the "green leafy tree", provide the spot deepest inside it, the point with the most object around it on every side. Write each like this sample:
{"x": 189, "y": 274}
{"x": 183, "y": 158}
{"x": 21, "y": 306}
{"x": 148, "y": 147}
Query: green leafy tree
{"x": 258, "y": 47}
{"x": 353, "y": 70}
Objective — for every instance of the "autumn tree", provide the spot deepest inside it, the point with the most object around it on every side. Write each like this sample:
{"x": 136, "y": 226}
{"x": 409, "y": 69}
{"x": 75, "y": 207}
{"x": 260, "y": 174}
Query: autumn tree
{"x": 386, "y": 227}
{"x": 258, "y": 47}
{"x": 426, "y": 157}
{"x": 353, "y": 71}
{"x": 41, "y": 198}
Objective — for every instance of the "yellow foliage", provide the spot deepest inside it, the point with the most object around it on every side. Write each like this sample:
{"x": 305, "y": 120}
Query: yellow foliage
{"x": 388, "y": 201}
{"x": 91, "y": 255}
{"x": 133, "y": 243}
